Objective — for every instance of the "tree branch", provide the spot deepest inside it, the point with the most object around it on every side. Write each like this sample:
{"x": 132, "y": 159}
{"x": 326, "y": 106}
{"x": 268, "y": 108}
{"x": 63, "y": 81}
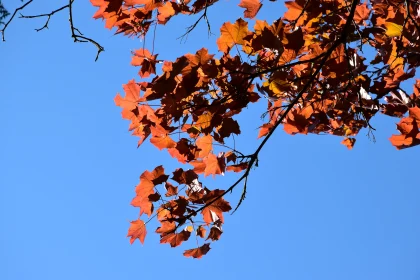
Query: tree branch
{"x": 11, "y": 18}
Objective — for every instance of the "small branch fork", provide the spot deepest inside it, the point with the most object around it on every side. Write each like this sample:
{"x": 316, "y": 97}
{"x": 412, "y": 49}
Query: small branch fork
{"x": 11, "y": 18}
{"x": 81, "y": 38}
{"x": 75, "y": 32}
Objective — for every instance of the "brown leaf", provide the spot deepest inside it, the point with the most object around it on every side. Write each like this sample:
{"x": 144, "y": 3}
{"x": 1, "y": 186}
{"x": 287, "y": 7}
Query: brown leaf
{"x": 176, "y": 239}
{"x": 237, "y": 167}
{"x": 197, "y": 253}
{"x": 170, "y": 189}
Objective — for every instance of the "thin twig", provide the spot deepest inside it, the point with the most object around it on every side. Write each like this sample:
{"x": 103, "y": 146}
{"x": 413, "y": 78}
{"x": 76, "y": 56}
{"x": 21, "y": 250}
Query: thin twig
{"x": 80, "y": 38}
{"x": 49, "y": 15}
{"x": 11, "y": 18}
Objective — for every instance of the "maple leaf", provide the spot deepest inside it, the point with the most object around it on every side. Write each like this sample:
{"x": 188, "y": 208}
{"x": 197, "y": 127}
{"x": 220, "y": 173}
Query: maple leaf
{"x": 214, "y": 211}
{"x": 362, "y": 13}
{"x": 349, "y": 142}
{"x": 148, "y": 180}
{"x": 215, "y": 233}
{"x": 265, "y": 129}
{"x": 146, "y": 60}
{"x": 252, "y": 7}
{"x": 170, "y": 189}
{"x": 176, "y": 239}
{"x": 165, "y": 12}
{"x": 232, "y": 34}
{"x": 205, "y": 145}
{"x": 137, "y": 230}
{"x": 184, "y": 177}
{"x": 161, "y": 139}
{"x": 132, "y": 96}
{"x": 213, "y": 165}
{"x": 197, "y": 253}
{"x": 294, "y": 9}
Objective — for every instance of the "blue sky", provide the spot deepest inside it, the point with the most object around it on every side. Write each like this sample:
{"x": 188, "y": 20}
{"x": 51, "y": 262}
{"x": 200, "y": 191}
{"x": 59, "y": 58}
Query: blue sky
{"x": 314, "y": 210}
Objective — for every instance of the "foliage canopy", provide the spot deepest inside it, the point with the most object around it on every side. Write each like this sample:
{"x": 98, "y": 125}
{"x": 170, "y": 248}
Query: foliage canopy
{"x": 308, "y": 66}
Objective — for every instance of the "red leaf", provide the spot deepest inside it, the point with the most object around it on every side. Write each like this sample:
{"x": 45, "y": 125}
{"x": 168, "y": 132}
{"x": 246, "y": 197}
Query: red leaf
{"x": 197, "y": 253}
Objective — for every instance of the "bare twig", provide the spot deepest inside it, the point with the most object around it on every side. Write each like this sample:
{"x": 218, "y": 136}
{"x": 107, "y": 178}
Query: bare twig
{"x": 49, "y": 15}
{"x": 11, "y": 18}
{"x": 192, "y": 27}
{"x": 80, "y": 38}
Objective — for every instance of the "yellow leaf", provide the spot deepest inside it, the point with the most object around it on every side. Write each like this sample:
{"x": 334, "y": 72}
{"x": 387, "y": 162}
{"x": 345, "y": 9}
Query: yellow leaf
{"x": 189, "y": 228}
{"x": 393, "y": 29}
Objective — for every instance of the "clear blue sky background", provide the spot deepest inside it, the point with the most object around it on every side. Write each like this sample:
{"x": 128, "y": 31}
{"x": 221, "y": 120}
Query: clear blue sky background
{"x": 68, "y": 167}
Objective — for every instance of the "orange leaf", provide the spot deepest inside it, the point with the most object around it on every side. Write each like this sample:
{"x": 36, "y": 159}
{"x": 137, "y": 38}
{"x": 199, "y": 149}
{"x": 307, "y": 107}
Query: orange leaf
{"x": 161, "y": 139}
{"x": 197, "y": 253}
{"x": 205, "y": 145}
{"x": 132, "y": 96}
{"x": 252, "y": 7}
{"x": 214, "y": 211}
{"x": 349, "y": 142}
{"x": 232, "y": 34}
{"x": 294, "y": 9}
{"x": 265, "y": 129}
{"x": 137, "y": 230}
{"x": 148, "y": 180}
{"x": 204, "y": 120}
{"x": 214, "y": 165}
{"x": 165, "y": 12}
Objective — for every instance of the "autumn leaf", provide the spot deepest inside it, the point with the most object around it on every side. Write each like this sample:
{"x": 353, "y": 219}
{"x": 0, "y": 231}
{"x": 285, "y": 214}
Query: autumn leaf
{"x": 214, "y": 211}
{"x": 132, "y": 96}
{"x": 251, "y": 7}
{"x": 176, "y": 239}
{"x": 205, "y": 145}
{"x": 215, "y": 233}
{"x": 137, "y": 230}
{"x": 393, "y": 29}
{"x": 349, "y": 142}
{"x": 232, "y": 34}
{"x": 148, "y": 181}
{"x": 161, "y": 139}
{"x": 294, "y": 9}
{"x": 201, "y": 231}
{"x": 170, "y": 189}
{"x": 213, "y": 165}
{"x": 197, "y": 253}
{"x": 237, "y": 167}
